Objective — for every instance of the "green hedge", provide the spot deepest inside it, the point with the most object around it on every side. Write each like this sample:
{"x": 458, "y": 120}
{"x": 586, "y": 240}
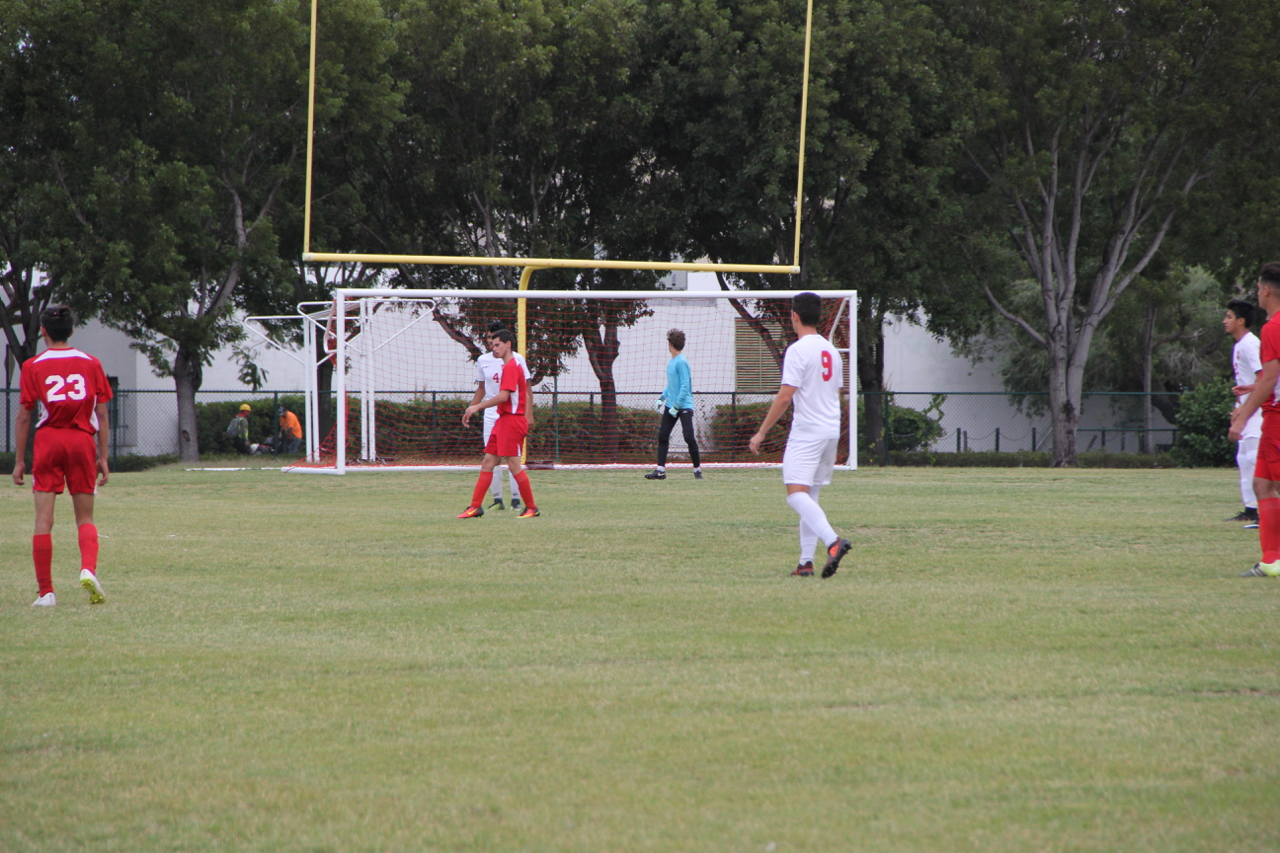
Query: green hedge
{"x": 426, "y": 428}
{"x": 1018, "y": 459}
{"x": 124, "y": 464}
{"x": 906, "y": 429}
{"x": 212, "y": 420}
{"x": 1204, "y": 415}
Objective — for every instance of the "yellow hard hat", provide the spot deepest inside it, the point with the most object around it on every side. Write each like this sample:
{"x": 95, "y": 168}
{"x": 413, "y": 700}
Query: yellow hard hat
{"x": 245, "y": 407}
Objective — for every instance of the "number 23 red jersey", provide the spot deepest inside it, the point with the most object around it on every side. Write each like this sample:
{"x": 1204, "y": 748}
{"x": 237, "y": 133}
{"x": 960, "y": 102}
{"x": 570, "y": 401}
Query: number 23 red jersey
{"x": 68, "y": 384}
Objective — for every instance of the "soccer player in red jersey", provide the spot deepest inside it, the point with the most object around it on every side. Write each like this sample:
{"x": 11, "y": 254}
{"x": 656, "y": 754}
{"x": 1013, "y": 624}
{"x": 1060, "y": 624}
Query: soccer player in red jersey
{"x": 72, "y": 392}
{"x": 508, "y": 433}
{"x": 1267, "y": 471}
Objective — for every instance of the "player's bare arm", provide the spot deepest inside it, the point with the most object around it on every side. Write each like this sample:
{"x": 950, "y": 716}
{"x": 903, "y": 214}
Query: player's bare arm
{"x": 528, "y": 405}
{"x": 501, "y": 397}
{"x": 104, "y": 430}
{"x": 1262, "y": 391}
{"x": 21, "y": 429}
{"x": 779, "y": 405}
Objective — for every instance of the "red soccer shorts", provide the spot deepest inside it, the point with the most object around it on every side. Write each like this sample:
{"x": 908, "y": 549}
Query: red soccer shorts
{"x": 508, "y": 435}
{"x": 65, "y": 455}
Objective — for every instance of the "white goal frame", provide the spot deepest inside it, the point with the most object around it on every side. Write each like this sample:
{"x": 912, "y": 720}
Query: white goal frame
{"x": 365, "y": 297}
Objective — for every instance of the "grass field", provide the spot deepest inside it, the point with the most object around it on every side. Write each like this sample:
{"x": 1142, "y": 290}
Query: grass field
{"x": 1009, "y": 660}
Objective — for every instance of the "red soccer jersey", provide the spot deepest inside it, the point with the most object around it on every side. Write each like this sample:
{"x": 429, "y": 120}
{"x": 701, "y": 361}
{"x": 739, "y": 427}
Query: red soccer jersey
{"x": 513, "y": 381}
{"x": 1270, "y": 351}
{"x": 68, "y": 384}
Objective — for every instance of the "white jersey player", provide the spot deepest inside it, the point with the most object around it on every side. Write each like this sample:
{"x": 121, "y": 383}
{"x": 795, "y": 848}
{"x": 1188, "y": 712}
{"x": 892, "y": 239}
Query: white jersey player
{"x": 1246, "y": 361}
{"x": 488, "y": 378}
{"x": 811, "y": 379}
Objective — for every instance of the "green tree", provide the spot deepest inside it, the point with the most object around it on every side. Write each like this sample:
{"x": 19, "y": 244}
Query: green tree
{"x": 884, "y": 125}
{"x": 184, "y": 126}
{"x": 1097, "y": 126}
{"x": 180, "y": 161}
{"x": 33, "y": 114}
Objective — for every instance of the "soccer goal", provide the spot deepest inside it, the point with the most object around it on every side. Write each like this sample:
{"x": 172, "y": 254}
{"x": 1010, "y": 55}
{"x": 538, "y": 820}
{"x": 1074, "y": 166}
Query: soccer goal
{"x": 404, "y": 371}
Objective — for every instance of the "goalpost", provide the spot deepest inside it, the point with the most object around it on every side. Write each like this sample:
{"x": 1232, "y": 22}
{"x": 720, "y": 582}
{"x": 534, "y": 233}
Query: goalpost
{"x": 399, "y": 391}
{"x": 404, "y": 370}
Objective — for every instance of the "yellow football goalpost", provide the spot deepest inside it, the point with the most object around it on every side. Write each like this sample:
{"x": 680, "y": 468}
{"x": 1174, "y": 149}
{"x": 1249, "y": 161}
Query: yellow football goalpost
{"x": 531, "y": 264}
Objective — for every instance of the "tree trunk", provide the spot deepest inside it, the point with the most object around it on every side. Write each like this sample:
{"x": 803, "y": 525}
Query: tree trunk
{"x": 326, "y": 408}
{"x": 871, "y": 377}
{"x": 1064, "y": 407}
{"x": 186, "y": 379}
{"x": 1148, "y": 346}
{"x": 602, "y": 351}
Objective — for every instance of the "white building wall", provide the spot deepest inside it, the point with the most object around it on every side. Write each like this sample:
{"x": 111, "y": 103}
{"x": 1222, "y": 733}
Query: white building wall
{"x": 916, "y": 364}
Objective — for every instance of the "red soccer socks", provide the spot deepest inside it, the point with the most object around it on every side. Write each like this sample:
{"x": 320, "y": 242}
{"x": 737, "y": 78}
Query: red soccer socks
{"x": 1269, "y": 528}
{"x": 42, "y": 553}
{"x": 88, "y": 535}
{"x": 526, "y": 489}
{"x": 482, "y": 488}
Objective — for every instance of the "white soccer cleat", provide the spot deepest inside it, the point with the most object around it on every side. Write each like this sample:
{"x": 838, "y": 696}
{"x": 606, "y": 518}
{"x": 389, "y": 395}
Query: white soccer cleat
{"x": 89, "y": 581}
{"x": 46, "y": 600}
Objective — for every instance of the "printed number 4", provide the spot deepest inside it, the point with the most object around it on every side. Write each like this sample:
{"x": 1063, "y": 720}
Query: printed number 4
{"x": 826, "y": 366}
{"x": 58, "y": 383}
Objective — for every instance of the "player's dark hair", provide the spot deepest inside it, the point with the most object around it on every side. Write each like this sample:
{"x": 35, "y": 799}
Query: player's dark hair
{"x": 1270, "y": 273}
{"x": 496, "y": 326}
{"x": 58, "y": 322}
{"x": 1243, "y": 310}
{"x": 675, "y": 337}
{"x": 808, "y": 306}
{"x": 505, "y": 336}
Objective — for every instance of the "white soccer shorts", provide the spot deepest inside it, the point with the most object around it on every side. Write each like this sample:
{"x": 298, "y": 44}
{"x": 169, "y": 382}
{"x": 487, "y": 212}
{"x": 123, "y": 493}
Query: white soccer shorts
{"x": 1246, "y": 459}
{"x": 809, "y": 462}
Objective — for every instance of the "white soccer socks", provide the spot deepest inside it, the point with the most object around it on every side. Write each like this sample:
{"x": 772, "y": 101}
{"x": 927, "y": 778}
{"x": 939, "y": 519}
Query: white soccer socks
{"x": 812, "y": 515}
{"x": 808, "y": 538}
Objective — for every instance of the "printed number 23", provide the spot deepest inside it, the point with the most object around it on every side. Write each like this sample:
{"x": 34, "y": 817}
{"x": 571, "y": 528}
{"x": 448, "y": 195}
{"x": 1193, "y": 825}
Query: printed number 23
{"x": 77, "y": 391}
{"x": 826, "y": 366}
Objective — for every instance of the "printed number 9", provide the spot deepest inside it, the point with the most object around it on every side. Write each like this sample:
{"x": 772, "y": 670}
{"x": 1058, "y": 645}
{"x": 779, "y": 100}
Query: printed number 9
{"x": 826, "y": 366}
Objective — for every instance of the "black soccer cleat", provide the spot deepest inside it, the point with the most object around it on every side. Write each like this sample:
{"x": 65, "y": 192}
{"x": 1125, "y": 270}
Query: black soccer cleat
{"x": 656, "y": 475}
{"x": 834, "y": 554}
{"x": 697, "y": 475}
{"x": 1246, "y": 514}
{"x": 515, "y": 504}
{"x": 804, "y": 570}
{"x": 498, "y": 504}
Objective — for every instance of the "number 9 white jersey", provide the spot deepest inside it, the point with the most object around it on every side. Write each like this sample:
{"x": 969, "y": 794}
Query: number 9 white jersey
{"x": 814, "y": 368}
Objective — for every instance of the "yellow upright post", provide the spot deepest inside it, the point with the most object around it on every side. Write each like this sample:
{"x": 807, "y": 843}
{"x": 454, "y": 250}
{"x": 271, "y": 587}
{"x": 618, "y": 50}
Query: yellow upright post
{"x": 804, "y": 115}
{"x": 522, "y": 336}
{"x": 311, "y": 126}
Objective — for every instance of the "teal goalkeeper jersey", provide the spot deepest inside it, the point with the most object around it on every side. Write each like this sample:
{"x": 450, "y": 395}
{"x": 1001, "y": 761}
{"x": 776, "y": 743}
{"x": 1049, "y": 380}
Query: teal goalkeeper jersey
{"x": 679, "y": 392}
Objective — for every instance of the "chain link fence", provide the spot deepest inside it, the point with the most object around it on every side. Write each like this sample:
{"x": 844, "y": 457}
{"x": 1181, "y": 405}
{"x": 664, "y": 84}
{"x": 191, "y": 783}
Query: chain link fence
{"x": 964, "y": 422}
{"x": 145, "y": 422}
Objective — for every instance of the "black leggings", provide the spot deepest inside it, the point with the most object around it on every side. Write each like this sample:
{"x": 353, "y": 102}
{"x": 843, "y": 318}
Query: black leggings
{"x": 664, "y": 436}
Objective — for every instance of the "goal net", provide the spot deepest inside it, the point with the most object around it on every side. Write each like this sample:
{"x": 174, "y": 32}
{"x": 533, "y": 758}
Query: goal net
{"x": 404, "y": 371}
